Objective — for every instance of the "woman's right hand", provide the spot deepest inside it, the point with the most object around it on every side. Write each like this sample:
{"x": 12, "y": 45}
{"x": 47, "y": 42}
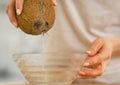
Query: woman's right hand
{"x": 15, "y": 7}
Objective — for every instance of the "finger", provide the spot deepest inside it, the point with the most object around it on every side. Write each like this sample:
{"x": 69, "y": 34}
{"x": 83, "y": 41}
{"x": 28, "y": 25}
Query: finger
{"x": 85, "y": 77}
{"x": 19, "y": 6}
{"x": 54, "y": 2}
{"x": 95, "y": 47}
{"x": 92, "y": 73}
{"x": 99, "y": 58}
{"x": 11, "y": 13}
{"x": 81, "y": 76}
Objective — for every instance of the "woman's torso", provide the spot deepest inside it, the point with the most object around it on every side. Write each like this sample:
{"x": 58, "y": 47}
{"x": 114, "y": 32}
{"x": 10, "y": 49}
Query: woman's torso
{"x": 79, "y": 22}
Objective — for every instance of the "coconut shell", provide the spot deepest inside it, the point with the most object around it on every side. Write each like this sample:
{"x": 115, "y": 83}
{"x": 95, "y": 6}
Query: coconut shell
{"x": 37, "y": 17}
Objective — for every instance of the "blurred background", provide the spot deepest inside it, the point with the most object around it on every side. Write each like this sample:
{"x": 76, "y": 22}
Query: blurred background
{"x": 13, "y": 41}
{"x": 8, "y": 70}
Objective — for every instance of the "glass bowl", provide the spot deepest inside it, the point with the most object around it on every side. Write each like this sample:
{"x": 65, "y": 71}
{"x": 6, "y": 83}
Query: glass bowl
{"x": 50, "y": 68}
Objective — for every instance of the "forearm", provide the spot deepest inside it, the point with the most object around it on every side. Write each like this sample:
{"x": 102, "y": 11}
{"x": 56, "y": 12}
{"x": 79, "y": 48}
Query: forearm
{"x": 116, "y": 46}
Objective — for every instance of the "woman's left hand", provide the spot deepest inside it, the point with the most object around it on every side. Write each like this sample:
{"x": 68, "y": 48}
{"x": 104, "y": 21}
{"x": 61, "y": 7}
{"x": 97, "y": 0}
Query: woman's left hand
{"x": 99, "y": 58}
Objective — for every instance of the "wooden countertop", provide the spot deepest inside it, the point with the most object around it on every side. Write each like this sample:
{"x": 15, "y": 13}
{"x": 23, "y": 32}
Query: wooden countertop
{"x": 72, "y": 84}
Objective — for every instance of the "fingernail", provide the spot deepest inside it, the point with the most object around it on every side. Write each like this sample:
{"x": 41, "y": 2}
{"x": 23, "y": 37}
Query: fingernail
{"x": 86, "y": 64}
{"x": 15, "y": 24}
{"x": 81, "y": 72}
{"x": 55, "y": 3}
{"x": 89, "y": 52}
{"x": 18, "y": 12}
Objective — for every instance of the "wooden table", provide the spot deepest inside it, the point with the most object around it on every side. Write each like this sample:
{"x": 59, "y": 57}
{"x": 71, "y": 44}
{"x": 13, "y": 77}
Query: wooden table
{"x": 72, "y": 84}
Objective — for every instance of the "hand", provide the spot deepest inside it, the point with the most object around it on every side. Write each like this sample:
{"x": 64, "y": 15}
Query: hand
{"x": 99, "y": 58}
{"x": 16, "y": 7}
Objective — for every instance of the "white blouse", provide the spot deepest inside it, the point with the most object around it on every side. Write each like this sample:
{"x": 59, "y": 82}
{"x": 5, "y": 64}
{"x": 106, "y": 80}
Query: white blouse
{"x": 78, "y": 23}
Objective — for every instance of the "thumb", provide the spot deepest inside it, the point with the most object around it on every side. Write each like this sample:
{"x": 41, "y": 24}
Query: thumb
{"x": 95, "y": 47}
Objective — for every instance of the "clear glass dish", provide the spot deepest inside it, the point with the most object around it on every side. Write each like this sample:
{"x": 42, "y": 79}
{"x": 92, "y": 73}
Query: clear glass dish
{"x": 50, "y": 68}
